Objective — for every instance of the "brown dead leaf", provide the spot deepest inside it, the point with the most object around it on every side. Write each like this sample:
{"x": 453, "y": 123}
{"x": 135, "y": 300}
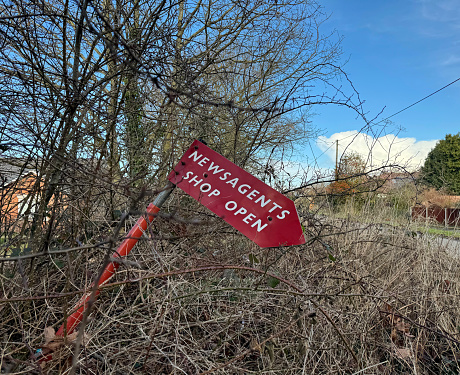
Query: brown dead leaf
{"x": 49, "y": 334}
{"x": 255, "y": 345}
{"x": 53, "y": 342}
{"x": 394, "y": 335}
{"x": 402, "y": 326}
{"x": 403, "y": 353}
{"x": 72, "y": 338}
{"x": 396, "y": 323}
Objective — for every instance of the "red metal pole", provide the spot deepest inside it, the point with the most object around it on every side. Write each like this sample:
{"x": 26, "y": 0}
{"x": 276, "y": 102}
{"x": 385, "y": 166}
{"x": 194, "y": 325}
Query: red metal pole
{"x": 123, "y": 250}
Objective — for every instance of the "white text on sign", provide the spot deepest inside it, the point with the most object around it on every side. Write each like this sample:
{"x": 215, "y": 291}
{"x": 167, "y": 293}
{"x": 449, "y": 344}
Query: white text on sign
{"x": 246, "y": 190}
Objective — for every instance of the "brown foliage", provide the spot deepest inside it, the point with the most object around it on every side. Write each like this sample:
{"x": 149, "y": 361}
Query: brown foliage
{"x": 206, "y": 300}
{"x": 433, "y": 197}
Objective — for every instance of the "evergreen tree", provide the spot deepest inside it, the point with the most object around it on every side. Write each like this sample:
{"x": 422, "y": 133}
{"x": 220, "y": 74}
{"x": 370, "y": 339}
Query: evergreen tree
{"x": 442, "y": 166}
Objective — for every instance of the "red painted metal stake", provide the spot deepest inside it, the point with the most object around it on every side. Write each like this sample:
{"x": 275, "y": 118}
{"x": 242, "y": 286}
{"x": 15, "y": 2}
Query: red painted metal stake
{"x": 123, "y": 250}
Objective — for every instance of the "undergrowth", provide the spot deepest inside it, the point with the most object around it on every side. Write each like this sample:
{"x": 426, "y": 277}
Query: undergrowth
{"x": 201, "y": 299}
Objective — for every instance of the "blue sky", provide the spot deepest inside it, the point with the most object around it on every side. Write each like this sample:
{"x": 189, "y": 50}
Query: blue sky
{"x": 398, "y": 52}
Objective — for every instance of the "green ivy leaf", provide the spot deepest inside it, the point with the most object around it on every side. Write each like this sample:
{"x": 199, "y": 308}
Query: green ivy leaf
{"x": 273, "y": 282}
{"x": 332, "y": 258}
{"x": 253, "y": 259}
{"x": 138, "y": 365}
{"x": 117, "y": 214}
{"x": 16, "y": 252}
{"x": 59, "y": 263}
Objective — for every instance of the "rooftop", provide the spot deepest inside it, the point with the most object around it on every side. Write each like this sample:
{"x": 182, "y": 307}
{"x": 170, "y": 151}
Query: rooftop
{"x": 13, "y": 168}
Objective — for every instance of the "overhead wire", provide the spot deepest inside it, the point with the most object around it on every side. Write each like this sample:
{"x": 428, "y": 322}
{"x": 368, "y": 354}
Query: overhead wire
{"x": 405, "y": 108}
{"x": 421, "y": 100}
{"x": 394, "y": 114}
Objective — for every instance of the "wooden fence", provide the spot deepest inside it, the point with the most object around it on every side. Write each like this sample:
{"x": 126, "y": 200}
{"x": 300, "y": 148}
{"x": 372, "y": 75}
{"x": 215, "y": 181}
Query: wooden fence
{"x": 445, "y": 216}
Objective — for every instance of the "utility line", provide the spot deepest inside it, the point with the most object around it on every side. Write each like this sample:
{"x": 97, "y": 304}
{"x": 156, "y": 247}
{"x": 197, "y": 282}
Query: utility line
{"x": 387, "y": 118}
{"x": 421, "y": 100}
{"x": 397, "y": 113}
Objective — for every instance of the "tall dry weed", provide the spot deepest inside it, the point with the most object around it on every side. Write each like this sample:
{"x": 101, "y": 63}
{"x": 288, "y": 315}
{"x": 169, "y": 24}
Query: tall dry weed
{"x": 358, "y": 298}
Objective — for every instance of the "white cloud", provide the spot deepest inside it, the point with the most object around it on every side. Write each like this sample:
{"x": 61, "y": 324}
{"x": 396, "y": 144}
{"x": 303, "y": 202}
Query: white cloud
{"x": 385, "y": 150}
{"x": 451, "y": 60}
{"x": 441, "y": 11}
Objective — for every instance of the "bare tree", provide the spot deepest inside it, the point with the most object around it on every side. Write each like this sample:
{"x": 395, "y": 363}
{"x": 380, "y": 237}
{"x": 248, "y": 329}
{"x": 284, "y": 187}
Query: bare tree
{"x": 113, "y": 92}
{"x": 99, "y": 99}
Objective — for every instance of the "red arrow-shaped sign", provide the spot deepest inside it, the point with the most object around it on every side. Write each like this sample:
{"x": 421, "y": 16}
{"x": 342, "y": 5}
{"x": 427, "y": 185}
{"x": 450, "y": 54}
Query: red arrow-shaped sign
{"x": 255, "y": 209}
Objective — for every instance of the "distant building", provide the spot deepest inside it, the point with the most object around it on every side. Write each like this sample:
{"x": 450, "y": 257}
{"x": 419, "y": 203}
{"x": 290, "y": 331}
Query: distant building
{"x": 18, "y": 182}
{"x": 388, "y": 181}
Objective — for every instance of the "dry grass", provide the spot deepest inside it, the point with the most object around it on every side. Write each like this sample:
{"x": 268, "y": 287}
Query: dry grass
{"x": 356, "y": 299}
{"x": 433, "y": 197}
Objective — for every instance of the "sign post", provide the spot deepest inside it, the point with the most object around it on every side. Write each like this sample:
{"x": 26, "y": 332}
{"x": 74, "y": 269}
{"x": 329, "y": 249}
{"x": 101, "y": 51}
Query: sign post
{"x": 123, "y": 250}
{"x": 255, "y": 209}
